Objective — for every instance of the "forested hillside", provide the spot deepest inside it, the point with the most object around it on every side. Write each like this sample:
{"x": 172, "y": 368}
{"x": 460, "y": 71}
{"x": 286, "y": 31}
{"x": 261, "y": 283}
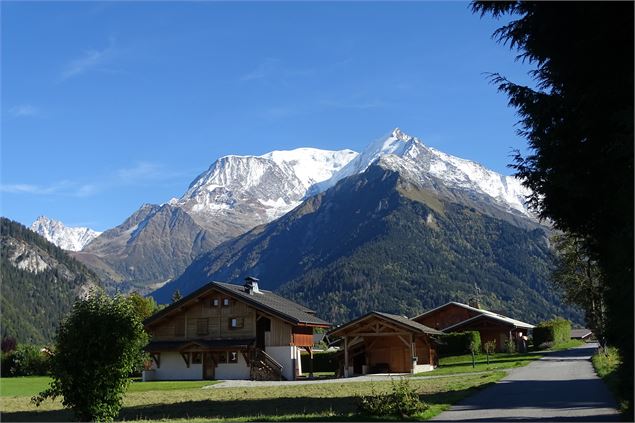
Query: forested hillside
{"x": 39, "y": 283}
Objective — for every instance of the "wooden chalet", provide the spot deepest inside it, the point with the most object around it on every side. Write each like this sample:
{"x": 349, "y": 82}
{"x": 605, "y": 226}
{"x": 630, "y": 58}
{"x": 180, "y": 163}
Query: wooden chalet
{"x": 458, "y": 317}
{"x": 229, "y": 331}
{"x": 385, "y": 343}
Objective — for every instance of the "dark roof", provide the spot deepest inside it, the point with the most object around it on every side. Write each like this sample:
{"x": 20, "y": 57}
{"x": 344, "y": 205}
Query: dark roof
{"x": 482, "y": 312}
{"x": 264, "y": 300}
{"x": 204, "y": 343}
{"x": 492, "y": 316}
{"x": 580, "y": 333}
{"x": 401, "y": 320}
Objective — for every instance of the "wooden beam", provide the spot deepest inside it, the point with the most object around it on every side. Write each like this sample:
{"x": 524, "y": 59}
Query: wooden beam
{"x": 371, "y": 334}
{"x": 413, "y": 353}
{"x": 157, "y": 359}
{"x": 346, "y": 356}
{"x": 404, "y": 340}
{"x": 186, "y": 358}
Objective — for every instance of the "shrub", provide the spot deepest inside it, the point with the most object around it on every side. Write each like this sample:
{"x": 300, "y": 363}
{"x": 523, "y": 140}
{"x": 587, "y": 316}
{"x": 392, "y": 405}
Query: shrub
{"x": 402, "y": 401}
{"x": 322, "y": 362}
{"x": 510, "y": 346}
{"x": 97, "y": 347}
{"x": 489, "y": 347}
{"x": 25, "y": 360}
{"x": 554, "y": 331}
{"x": 459, "y": 343}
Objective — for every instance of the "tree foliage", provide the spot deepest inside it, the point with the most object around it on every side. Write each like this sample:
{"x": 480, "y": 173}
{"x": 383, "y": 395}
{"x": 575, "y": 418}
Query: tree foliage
{"x": 579, "y": 125}
{"x": 97, "y": 347}
{"x": 579, "y": 279}
{"x": 143, "y": 306}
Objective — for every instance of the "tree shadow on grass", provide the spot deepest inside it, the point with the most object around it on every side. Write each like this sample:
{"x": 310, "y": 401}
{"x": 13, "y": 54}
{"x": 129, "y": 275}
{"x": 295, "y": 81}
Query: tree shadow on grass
{"x": 265, "y": 409}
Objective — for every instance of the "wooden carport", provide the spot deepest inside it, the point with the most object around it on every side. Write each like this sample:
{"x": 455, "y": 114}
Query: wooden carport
{"x": 387, "y": 343}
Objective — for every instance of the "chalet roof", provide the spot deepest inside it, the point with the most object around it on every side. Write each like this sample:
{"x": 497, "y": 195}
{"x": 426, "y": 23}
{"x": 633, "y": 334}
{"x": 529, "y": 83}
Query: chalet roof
{"x": 264, "y": 300}
{"x": 402, "y": 321}
{"x": 581, "y": 333}
{"x": 492, "y": 316}
{"x": 482, "y": 312}
{"x": 156, "y": 346}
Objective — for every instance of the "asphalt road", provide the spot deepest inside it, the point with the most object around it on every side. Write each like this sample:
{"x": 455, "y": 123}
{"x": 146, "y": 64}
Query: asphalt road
{"x": 562, "y": 386}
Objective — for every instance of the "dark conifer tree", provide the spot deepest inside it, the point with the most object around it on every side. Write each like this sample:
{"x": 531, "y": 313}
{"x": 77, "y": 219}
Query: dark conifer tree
{"x": 579, "y": 125}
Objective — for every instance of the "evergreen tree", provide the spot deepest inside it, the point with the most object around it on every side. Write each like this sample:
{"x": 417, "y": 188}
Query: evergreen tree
{"x": 579, "y": 126}
{"x": 176, "y": 295}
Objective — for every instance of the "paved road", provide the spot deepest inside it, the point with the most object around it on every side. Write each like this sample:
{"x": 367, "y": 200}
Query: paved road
{"x": 562, "y": 386}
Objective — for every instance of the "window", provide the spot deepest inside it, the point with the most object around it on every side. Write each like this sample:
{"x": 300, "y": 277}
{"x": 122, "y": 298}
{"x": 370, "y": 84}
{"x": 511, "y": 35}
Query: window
{"x": 215, "y": 302}
{"x": 233, "y": 357}
{"x": 202, "y": 327}
{"x": 236, "y": 322}
{"x": 197, "y": 358}
{"x": 225, "y": 302}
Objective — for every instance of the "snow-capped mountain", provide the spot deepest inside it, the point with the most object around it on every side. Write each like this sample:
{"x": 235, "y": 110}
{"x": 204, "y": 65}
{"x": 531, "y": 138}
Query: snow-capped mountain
{"x": 66, "y": 237}
{"x": 410, "y": 156}
{"x": 259, "y": 188}
{"x": 237, "y": 193}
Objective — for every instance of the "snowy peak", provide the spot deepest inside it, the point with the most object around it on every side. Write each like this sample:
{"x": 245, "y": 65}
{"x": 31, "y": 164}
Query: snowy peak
{"x": 65, "y": 237}
{"x": 264, "y": 186}
{"x": 311, "y": 165}
{"x": 411, "y": 157}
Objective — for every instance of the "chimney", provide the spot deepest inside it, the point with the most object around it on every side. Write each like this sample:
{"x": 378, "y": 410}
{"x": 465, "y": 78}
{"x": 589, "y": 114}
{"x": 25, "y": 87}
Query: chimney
{"x": 251, "y": 285}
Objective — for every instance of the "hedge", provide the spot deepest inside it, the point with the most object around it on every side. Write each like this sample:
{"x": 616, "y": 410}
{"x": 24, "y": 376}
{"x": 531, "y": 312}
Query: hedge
{"x": 552, "y": 331}
{"x": 25, "y": 360}
{"x": 322, "y": 362}
{"x": 459, "y": 343}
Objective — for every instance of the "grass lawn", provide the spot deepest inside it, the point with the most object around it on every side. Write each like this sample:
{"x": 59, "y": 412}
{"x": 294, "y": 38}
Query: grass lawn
{"x": 463, "y": 363}
{"x": 328, "y": 401}
{"x": 31, "y": 385}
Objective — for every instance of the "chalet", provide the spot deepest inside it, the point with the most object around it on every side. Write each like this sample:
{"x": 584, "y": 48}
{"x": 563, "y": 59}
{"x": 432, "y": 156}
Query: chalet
{"x": 229, "y": 331}
{"x": 385, "y": 343}
{"x": 458, "y": 317}
{"x": 583, "y": 334}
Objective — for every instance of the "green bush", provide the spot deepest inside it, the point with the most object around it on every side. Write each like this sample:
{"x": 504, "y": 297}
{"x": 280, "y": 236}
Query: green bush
{"x": 25, "y": 360}
{"x": 322, "y": 362}
{"x": 402, "y": 401}
{"x": 459, "y": 343}
{"x": 552, "y": 331}
{"x": 510, "y": 346}
{"x": 97, "y": 347}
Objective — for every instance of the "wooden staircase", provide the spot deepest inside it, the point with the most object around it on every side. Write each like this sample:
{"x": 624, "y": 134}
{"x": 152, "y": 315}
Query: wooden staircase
{"x": 264, "y": 367}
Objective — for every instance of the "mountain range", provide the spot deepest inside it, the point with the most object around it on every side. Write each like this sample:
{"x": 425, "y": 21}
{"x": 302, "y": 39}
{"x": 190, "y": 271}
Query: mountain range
{"x": 287, "y": 216}
{"x": 391, "y": 234}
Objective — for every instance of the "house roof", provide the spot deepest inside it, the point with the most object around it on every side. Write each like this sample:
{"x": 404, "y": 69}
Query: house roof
{"x": 581, "y": 333}
{"x": 264, "y": 300}
{"x": 158, "y": 346}
{"x": 402, "y": 321}
{"x": 482, "y": 312}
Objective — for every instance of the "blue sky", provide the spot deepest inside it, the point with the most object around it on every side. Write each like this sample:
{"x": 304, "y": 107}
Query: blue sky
{"x": 106, "y": 106}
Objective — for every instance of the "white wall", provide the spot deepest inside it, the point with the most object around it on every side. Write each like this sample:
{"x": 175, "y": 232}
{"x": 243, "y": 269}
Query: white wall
{"x": 173, "y": 368}
{"x": 423, "y": 368}
{"x": 285, "y": 356}
{"x": 238, "y": 370}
